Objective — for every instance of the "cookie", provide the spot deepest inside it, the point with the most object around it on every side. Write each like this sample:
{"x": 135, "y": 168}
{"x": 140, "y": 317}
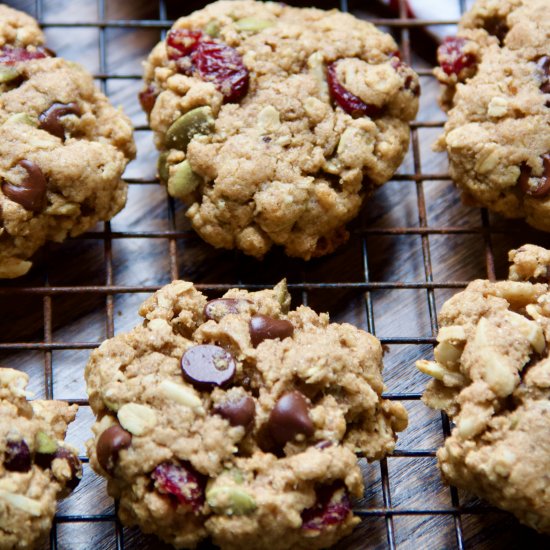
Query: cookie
{"x": 36, "y": 466}
{"x": 496, "y": 84}
{"x": 491, "y": 375}
{"x": 273, "y": 122}
{"x": 63, "y": 147}
{"x": 238, "y": 419}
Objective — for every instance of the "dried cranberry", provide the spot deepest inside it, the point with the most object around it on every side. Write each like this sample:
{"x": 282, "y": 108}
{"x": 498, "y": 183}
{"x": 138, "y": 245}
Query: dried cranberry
{"x": 182, "y": 42}
{"x": 345, "y": 99}
{"x": 331, "y": 508}
{"x": 222, "y": 65}
{"x": 543, "y": 185}
{"x": 213, "y": 61}
{"x": 10, "y": 55}
{"x": 147, "y": 98}
{"x": 182, "y": 482}
{"x": 17, "y": 457}
{"x": 451, "y": 56}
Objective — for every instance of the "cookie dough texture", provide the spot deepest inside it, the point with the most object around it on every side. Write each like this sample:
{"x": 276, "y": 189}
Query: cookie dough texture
{"x": 28, "y": 498}
{"x": 491, "y": 374}
{"x": 82, "y": 165}
{"x": 285, "y": 166}
{"x": 256, "y": 492}
{"x": 498, "y": 129}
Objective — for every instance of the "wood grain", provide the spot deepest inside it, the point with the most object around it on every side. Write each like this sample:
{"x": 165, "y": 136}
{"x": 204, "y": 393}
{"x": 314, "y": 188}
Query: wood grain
{"x": 398, "y": 313}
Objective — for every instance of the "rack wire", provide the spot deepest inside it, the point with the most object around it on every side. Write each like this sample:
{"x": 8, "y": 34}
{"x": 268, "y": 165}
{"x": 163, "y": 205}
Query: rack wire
{"x": 451, "y": 520}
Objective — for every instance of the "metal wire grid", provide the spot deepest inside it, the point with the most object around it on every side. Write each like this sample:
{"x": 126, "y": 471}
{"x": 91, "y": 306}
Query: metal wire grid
{"x": 404, "y": 25}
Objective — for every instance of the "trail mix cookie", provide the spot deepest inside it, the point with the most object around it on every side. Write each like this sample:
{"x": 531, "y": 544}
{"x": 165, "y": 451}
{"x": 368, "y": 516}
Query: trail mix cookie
{"x": 36, "y": 466}
{"x": 492, "y": 377}
{"x": 238, "y": 419}
{"x": 63, "y": 147}
{"x": 496, "y": 81}
{"x": 273, "y": 122}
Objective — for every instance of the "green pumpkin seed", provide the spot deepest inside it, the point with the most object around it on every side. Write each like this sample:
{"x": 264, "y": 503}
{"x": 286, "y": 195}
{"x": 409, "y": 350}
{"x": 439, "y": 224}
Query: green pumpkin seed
{"x": 162, "y": 167}
{"x": 187, "y": 126}
{"x": 45, "y": 444}
{"x": 212, "y": 29}
{"x": 231, "y": 501}
{"x": 7, "y": 74}
{"x": 251, "y": 24}
{"x": 183, "y": 180}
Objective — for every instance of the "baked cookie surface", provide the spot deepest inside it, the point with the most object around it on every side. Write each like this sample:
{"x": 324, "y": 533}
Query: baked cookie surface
{"x": 63, "y": 147}
{"x": 274, "y": 122}
{"x": 36, "y": 466}
{"x": 238, "y": 419}
{"x": 492, "y": 377}
{"x": 496, "y": 85}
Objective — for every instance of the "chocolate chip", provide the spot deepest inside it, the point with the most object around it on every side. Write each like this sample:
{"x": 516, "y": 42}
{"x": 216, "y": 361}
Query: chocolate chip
{"x": 289, "y": 418}
{"x": 17, "y": 457}
{"x": 216, "y": 309}
{"x": 263, "y": 327}
{"x": 323, "y": 444}
{"x": 206, "y": 366}
{"x": 74, "y": 464}
{"x": 109, "y": 445}
{"x": 31, "y": 193}
{"x": 543, "y": 185}
{"x": 239, "y": 412}
{"x": 50, "y": 121}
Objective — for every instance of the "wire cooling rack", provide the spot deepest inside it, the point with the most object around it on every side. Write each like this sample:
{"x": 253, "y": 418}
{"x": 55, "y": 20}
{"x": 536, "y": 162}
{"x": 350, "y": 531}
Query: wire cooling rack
{"x": 413, "y": 246}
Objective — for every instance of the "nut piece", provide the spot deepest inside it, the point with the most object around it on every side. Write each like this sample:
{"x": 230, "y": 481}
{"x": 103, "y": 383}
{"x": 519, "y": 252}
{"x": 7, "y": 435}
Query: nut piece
{"x": 439, "y": 372}
{"x": 183, "y": 180}
{"x": 316, "y": 66}
{"x": 29, "y": 505}
{"x": 137, "y": 419}
{"x": 268, "y": 119}
{"x": 180, "y": 394}
{"x": 187, "y": 126}
{"x": 231, "y": 501}
{"x": 498, "y": 107}
{"x": 530, "y": 329}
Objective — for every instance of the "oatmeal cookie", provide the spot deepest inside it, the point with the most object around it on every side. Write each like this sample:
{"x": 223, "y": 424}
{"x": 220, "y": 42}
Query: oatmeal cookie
{"x": 273, "y": 122}
{"x": 492, "y": 377}
{"x": 36, "y": 466}
{"x": 238, "y": 419}
{"x": 496, "y": 84}
{"x": 63, "y": 147}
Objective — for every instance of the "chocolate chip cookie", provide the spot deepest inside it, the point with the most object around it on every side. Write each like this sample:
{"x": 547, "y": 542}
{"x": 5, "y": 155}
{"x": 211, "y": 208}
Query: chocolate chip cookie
{"x": 63, "y": 147}
{"x": 36, "y": 466}
{"x": 238, "y": 419}
{"x": 491, "y": 374}
{"x": 496, "y": 81}
{"x": 273, "y": 122}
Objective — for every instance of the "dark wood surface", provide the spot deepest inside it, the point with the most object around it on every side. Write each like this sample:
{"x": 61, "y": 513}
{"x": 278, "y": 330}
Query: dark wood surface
{"x": 400, "y": 258}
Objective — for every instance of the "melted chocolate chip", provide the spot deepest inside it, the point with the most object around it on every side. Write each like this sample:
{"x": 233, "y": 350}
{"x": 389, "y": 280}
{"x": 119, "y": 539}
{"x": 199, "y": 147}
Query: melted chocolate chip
{"x": 206, "y": 366}
{"x": 31, "y": 193}
{"x": 263, "y": 327}
{"x": 50, "y": 121}
{"x": 109, "y": 444}
{"x": 239, "y": 412}
{"x": 543, "y": 185}
{"x": 216, "y": 309}
{"x": 17, "y": 457}
{"x": 289, "y": 418}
